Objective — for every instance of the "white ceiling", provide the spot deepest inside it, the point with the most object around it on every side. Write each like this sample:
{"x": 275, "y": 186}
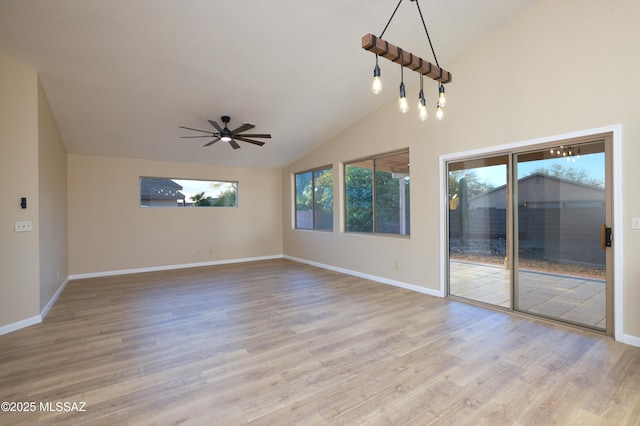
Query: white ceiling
{"x": 122, "y": 75}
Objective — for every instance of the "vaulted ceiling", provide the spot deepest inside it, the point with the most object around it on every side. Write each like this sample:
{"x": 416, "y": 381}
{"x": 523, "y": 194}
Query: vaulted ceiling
{"x": 122, "y": 75}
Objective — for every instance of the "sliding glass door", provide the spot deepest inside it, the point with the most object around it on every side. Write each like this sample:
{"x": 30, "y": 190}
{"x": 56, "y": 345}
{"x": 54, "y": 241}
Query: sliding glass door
{"x": 529, "y": 231}
{"x": 561, "y": 206}
{"x": 478, "y": 226}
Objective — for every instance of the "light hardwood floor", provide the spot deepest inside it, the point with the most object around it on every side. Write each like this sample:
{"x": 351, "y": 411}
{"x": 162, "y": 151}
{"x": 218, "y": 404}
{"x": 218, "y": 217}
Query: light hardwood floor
{"x": 278, "y": 342}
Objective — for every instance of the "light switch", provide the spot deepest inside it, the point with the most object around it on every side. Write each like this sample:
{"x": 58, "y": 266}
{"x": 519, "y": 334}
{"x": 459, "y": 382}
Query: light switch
{"x": 24, "y": 226}
{"x": 635, "y": 223}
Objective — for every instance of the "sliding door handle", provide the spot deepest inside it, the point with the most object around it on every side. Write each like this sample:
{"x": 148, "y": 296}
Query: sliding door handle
{"x": 605, "y": 237}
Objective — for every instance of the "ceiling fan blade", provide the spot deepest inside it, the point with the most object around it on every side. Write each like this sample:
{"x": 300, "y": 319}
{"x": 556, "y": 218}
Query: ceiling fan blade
{"x": 212, "y": 142}
{"x": 215, "y": 135}
{"x": 234, "y": 144}
{"x": 244, "y": 127}
{"x": 197, "y": 130}
{"x": 255, "y": 135}
{"x": 243, "y": 139}
{"x": 216, "y": 125}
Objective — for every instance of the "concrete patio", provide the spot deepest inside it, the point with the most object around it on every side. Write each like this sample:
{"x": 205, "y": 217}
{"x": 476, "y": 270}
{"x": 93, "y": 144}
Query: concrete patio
{"x": 569, "y": 298}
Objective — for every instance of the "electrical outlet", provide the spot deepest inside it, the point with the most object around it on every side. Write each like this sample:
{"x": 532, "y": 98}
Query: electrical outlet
{"x": 24, "y": 226}
{"x": 635, "y": 223}
{"x": 397, "y": 265}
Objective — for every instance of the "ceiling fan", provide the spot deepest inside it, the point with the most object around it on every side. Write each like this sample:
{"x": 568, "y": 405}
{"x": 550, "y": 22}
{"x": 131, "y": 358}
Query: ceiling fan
{"x": 225, "y": 135}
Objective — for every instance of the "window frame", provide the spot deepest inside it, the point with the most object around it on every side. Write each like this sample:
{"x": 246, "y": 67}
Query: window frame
{"x": 313, "y": 198}
{"x": 373, "y": 158}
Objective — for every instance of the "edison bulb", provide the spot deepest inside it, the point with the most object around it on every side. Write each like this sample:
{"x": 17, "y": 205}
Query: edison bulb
{"x": 442, "y": 100}
{"x": 422, "y": 110}
{"x": 376, "y": 86}
{"x": 403, "y": 104}
{"x": 422, "y": 113}
{"x": 439, "y": 113}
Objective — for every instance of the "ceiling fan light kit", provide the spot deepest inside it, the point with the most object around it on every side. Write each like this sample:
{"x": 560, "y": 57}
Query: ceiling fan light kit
{"x": 225, "y": 135}
{"x": 415, "y": 63}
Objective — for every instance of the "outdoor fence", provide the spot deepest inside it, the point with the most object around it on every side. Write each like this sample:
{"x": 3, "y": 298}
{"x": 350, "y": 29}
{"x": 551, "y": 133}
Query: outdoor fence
{"x": 559, "y": 234}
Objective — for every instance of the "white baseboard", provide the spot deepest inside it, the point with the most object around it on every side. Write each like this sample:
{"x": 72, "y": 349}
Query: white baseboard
{"x": 382, "y": 280}
{"x": 35, "y": 319}
{"x": 45, "y": 311}
{"x": 630, "y": 340}
{"x": 20, "y": 324}
{"x": 38, "y": 318}
{"x": 626, "y": 338}
{"x": 170, "y": 267}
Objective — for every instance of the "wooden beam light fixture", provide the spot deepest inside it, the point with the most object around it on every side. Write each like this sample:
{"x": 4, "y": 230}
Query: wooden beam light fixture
{"x": 381, "y": 47}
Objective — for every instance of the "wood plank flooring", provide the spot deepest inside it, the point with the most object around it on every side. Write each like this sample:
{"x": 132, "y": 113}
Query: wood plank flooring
{"x": 279, "y": 343}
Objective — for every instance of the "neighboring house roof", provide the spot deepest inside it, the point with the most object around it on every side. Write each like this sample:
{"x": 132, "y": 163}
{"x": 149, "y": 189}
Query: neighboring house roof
{"x": 160, "y": 189}
{"x": 540, "y": 187}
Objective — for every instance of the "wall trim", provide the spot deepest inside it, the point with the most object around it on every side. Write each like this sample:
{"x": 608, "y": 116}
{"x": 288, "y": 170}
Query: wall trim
{"x": 20, "y": 324}
{"x": 54, "y": 298}
{"x": 35, "y": 319}
{"x": 616, "y": 131}
{"x": 170, "y": 267}
{"x": 630, "y": 340}
{"x": 375, "y": 278}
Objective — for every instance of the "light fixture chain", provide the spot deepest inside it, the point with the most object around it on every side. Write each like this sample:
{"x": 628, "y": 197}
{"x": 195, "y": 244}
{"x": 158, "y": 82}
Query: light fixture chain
{"x": 395, "y": 54}
{"x": 392, "y": 15}
{"x": 426, "y": 31}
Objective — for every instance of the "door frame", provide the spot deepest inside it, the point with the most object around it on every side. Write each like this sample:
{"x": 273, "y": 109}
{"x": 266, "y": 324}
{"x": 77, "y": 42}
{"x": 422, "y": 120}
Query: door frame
{"x": 616, "y": 182}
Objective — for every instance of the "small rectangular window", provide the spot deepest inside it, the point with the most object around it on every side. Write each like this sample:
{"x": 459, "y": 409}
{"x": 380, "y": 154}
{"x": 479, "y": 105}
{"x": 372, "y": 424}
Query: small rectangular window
{"x": 377, "y": 196}
{"x": 314, "y": 199}
{"x": 170, "y": 192}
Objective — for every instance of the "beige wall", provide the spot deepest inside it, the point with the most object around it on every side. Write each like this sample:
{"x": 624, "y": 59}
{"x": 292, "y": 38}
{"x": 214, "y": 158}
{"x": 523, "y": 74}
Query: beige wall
{"x": 108, "y": 231}
{"x": 52, "y": 190}
{"x": 562, "y": 67}
{"x": 19, "y": 289}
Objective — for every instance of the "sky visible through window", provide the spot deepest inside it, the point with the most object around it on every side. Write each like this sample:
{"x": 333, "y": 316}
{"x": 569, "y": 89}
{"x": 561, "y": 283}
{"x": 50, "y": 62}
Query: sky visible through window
{"x": 592, "y": 164}
{"x": 192, "y": 187}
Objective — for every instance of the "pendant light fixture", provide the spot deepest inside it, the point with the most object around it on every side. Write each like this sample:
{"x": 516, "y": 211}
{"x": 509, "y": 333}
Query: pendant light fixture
{"x": 403, "y": 104}
{"x": 568, "y": 152}
{"x": 383, "y": 48}
{"x": 442, "y": 100}
{"x": 422, "y": 102}
{"x": 376, "y": 86}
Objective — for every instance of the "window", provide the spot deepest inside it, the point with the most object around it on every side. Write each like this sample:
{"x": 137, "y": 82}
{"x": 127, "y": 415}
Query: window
{"x": 167, "y": 192}
{"x": 377, "y": 194}
{"x": 314, "y": 199}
